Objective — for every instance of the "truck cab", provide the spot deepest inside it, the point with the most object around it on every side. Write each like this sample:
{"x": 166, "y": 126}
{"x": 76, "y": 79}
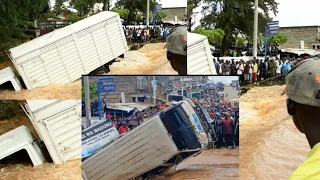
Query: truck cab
{"x": 160, "y": 143}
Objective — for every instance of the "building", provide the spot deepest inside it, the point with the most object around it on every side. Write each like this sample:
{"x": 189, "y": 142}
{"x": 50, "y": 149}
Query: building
{"x": 309, "y": 34}
{"x": 135, "y": 88}
{"x": 175, "y": 14}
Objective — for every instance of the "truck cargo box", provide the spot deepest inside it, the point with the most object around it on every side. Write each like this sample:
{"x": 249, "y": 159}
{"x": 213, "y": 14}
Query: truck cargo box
{"x": 162, "y": 141}
{"x": 63, "y": 55}
{"x": 200, "y": 59}
{"x": 58, "y": 123}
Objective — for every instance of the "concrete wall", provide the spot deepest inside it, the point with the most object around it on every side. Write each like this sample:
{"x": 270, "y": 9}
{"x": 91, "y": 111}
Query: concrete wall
{"x": 128, "y": 85}
{"x": 308, "y": 34}
{"x": 180, "y": 12}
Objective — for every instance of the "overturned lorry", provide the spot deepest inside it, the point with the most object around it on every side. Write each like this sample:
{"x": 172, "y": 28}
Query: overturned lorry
{"x": 58, "y": 125}
{"x": 160, "y": 143}
{"x": 64, "y": 55}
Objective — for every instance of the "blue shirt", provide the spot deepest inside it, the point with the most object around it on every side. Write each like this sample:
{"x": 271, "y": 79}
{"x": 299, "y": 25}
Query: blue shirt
{"x": 289, "y": 67}
{"x": 284, "y": 67}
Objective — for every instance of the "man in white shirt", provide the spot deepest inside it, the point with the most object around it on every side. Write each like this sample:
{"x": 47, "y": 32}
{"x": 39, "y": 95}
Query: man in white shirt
{"x": 278, "y": 70}
{"x": 240, "y": 69}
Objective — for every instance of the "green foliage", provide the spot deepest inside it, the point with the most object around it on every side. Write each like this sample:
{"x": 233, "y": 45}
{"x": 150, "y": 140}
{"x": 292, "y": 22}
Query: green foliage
{"x": 135, "y": 7}
{"x": 82, "y": 6}
{"x": 240, "y": 42}
{"x": 93, "y": 90}
{"x": 16, "y": 21}
{"x": 278, "y": 39}
{"x": 236, "y": 16}
{"x": 161, "y": 15}
{"x": 215, "y": 36}
{"x": 9, "y": 109}
{"x": 124, "y": 13}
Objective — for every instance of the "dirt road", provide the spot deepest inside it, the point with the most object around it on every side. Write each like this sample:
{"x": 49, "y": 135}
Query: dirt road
{"x": 150, "y": 59}
{"x": 271, "y": 146}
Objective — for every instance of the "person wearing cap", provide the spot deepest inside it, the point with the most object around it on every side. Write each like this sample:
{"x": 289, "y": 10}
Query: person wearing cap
{"x": 177, "y": 49}
{"x": 303, "y": 104}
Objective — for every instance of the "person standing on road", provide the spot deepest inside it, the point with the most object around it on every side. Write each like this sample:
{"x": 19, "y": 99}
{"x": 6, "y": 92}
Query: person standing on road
{"x": 303, "y": 104}
{"x": 227, "y": 127}
{"x": 240, "y": 70}
{"x": 176, "y": 43}
{"x": 217, "y": 66}
{"x": 278, "y": 70}
{"x": 273, "y": 67}
{"x": 254, "y": 71}
{"x": 233, "y": 68}
{"x": 123, "y": 128}
{"x": 246, "y": 73}
{"x": 227, "y": 68}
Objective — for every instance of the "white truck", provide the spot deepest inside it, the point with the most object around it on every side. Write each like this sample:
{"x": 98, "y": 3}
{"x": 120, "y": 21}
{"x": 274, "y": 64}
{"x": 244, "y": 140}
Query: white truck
{"x": 58, "y": 124}
{"x": 200, "y": 59}
{"x": 64, "y": 55}
{"x": 161, "y": 142}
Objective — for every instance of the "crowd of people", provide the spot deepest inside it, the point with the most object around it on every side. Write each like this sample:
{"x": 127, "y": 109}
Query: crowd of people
{"x": 225, "y": 116}
{"x": 254, "y": 70}
{"x": 138, "y": 35}
{"x": 127, "y": 123}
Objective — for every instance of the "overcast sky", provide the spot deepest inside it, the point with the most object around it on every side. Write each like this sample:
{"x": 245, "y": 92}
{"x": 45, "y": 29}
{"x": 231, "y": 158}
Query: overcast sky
{"x": 298, "y": 12}
{"x": 223, "y": 79}
{"x": 293, "y": 13}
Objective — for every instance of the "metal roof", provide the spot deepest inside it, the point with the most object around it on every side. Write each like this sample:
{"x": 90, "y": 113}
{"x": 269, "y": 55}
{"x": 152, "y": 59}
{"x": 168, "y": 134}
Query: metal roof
{"x": 129, "y": 106}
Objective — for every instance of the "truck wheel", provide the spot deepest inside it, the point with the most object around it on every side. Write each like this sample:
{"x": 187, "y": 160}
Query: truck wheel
{"x": 107, "y": 69}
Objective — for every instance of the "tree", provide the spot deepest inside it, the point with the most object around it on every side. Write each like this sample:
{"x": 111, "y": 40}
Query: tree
{"x": 161, "y": 15}
{"x": 82, "y": 6}
{"x": 278, "y": 39}
{"x": 93, "y": 90}
{"x": 135, "y": 7}
{"x": 240, "y": 42}
{"x": 122, "y": 12}
{"x": 214, "y": 36}
{"x": 17, "y": 20}
{"x": 192, "y": 4}
{"x": 236, "y": 17}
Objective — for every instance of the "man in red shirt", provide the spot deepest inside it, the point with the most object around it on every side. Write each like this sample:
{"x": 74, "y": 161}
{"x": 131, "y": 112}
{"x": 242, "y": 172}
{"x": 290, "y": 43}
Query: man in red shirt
{"x": 227, "y": 130}
{"x": 123, "y": 128}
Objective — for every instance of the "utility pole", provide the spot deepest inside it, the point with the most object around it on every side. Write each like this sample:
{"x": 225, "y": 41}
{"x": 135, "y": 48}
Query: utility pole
{"x": 87, "y": 100}
{"x": 154, "y": 90}
{"x": 255, "y": 28}
{"x": 148, "y": 10}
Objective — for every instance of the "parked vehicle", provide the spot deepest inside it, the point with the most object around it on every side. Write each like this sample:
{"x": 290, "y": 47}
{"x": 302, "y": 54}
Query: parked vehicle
{"x": 200, "y": 59}
{"x": 161, "y": 142}
{"x": 64, "y": 55}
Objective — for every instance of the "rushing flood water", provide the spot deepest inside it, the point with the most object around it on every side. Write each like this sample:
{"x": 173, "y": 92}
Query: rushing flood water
{"x": 211, "y": 164}
{"x": 24, "y": 170}
{"x": 271, "y": 146}
{"x": 150, "y": 59}
{"x": 57, "y": 91}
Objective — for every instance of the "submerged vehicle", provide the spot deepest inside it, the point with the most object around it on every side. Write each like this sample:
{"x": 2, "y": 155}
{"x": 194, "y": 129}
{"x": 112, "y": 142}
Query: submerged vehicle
{"x": 64, "y": 55}
{"x": 160, "y": 143}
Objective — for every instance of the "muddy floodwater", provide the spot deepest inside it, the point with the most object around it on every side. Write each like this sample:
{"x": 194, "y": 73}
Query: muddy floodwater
{"x": 213, "y": 164}
{"x": 271, "y": 146}
{"x": 57, "y": 91}
{"x": 24, "y": 170}
{"x": 150, "y": 59}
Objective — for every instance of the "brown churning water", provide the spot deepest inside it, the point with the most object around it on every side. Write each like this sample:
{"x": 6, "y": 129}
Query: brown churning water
{"x": 271, "y": 146}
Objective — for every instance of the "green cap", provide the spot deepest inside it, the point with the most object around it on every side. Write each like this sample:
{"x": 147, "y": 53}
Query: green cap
{"x": 303, "y": 83}
{"x": 177, "y": 41}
